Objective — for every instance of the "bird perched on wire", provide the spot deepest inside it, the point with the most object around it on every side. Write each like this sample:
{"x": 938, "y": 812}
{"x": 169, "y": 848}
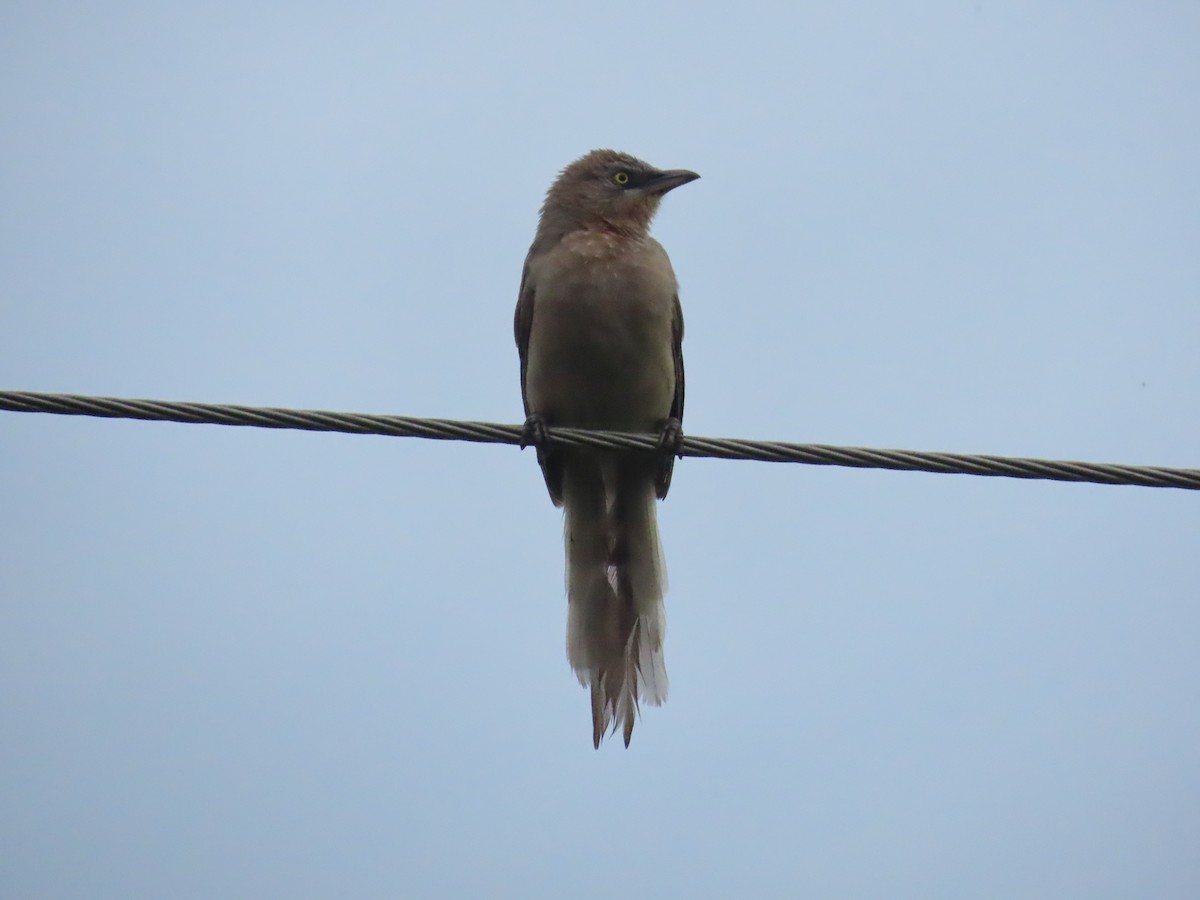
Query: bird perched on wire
{"x": 599, "y": 330}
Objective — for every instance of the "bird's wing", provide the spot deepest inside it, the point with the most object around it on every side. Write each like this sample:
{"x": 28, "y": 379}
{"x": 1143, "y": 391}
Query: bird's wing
{"x": 667, "y": 466}
{"x": 548, "y": 458}
{"x": 522, "y": 325}
{"x": 677, "y": 352}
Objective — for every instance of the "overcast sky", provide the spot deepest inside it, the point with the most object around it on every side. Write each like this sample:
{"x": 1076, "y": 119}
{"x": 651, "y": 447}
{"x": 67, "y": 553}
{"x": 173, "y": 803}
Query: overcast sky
{"x": 244, "y": 663}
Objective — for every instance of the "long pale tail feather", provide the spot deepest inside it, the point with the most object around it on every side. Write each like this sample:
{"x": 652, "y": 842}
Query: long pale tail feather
{"x": 636, "y": 523}
{"x": 615, "y": 582}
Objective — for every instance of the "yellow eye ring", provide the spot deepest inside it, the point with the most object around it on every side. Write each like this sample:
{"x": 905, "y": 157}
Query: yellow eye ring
{"x": 621, "y": 178}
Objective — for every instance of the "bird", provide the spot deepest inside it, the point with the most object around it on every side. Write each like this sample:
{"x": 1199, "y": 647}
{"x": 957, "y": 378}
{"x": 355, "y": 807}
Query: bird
{"x": 599, "y": 332}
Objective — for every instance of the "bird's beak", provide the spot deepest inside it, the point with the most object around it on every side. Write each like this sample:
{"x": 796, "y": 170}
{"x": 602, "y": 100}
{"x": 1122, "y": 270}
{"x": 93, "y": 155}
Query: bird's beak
{"x": 668, "y": 180}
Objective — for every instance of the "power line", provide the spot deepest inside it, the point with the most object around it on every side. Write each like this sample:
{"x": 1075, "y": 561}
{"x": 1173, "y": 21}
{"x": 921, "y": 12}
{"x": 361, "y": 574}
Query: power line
{"x": 486, "y": 432}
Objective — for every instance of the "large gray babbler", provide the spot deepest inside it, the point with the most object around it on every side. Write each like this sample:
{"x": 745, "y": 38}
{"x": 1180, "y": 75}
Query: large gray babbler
{"x": 599, "y": 330}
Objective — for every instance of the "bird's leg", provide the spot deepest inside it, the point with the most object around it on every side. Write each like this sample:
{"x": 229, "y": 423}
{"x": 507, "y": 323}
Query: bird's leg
{"x": 534, "y": 433}
{"x": 670, "y": 445}
{"x": 670, "y": 440}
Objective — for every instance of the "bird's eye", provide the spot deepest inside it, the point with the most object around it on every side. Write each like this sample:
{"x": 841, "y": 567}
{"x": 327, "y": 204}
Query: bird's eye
{"x": 621, "y": 178}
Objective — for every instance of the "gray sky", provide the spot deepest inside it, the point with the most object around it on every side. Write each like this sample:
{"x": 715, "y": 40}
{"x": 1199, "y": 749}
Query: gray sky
{"x": 240, "y": 663}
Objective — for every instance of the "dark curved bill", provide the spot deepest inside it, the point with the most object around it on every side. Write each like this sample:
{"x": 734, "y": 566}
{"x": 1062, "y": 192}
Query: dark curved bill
{"x": 668, "y": 180}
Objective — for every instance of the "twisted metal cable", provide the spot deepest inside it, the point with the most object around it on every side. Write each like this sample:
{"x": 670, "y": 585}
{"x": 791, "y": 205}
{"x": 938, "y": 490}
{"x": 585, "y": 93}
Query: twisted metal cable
{"x": 486, "y": 432}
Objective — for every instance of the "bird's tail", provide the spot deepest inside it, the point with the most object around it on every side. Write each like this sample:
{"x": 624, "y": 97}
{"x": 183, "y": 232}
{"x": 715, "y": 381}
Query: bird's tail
{"x": 615, "y": 583}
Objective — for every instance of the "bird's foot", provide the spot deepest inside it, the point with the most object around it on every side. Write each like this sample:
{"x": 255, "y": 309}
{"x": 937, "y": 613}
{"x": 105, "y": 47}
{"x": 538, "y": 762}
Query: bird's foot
{"x": 670, "y": 439}
{"x": 534, "y": 432}
{"x": 670, "y": 445}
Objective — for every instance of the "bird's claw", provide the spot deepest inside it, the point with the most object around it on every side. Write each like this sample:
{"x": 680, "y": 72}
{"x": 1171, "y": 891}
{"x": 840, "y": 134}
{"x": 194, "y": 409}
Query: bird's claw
{"x": 534, "y": 432}
{"x": 671, "y": 437}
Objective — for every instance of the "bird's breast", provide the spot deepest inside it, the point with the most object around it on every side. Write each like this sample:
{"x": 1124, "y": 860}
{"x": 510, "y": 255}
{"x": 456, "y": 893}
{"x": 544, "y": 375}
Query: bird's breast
{"x": 600, "y": 347}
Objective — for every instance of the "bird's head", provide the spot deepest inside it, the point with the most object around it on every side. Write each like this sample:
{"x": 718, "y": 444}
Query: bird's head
{"x": 608, "y": 190}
